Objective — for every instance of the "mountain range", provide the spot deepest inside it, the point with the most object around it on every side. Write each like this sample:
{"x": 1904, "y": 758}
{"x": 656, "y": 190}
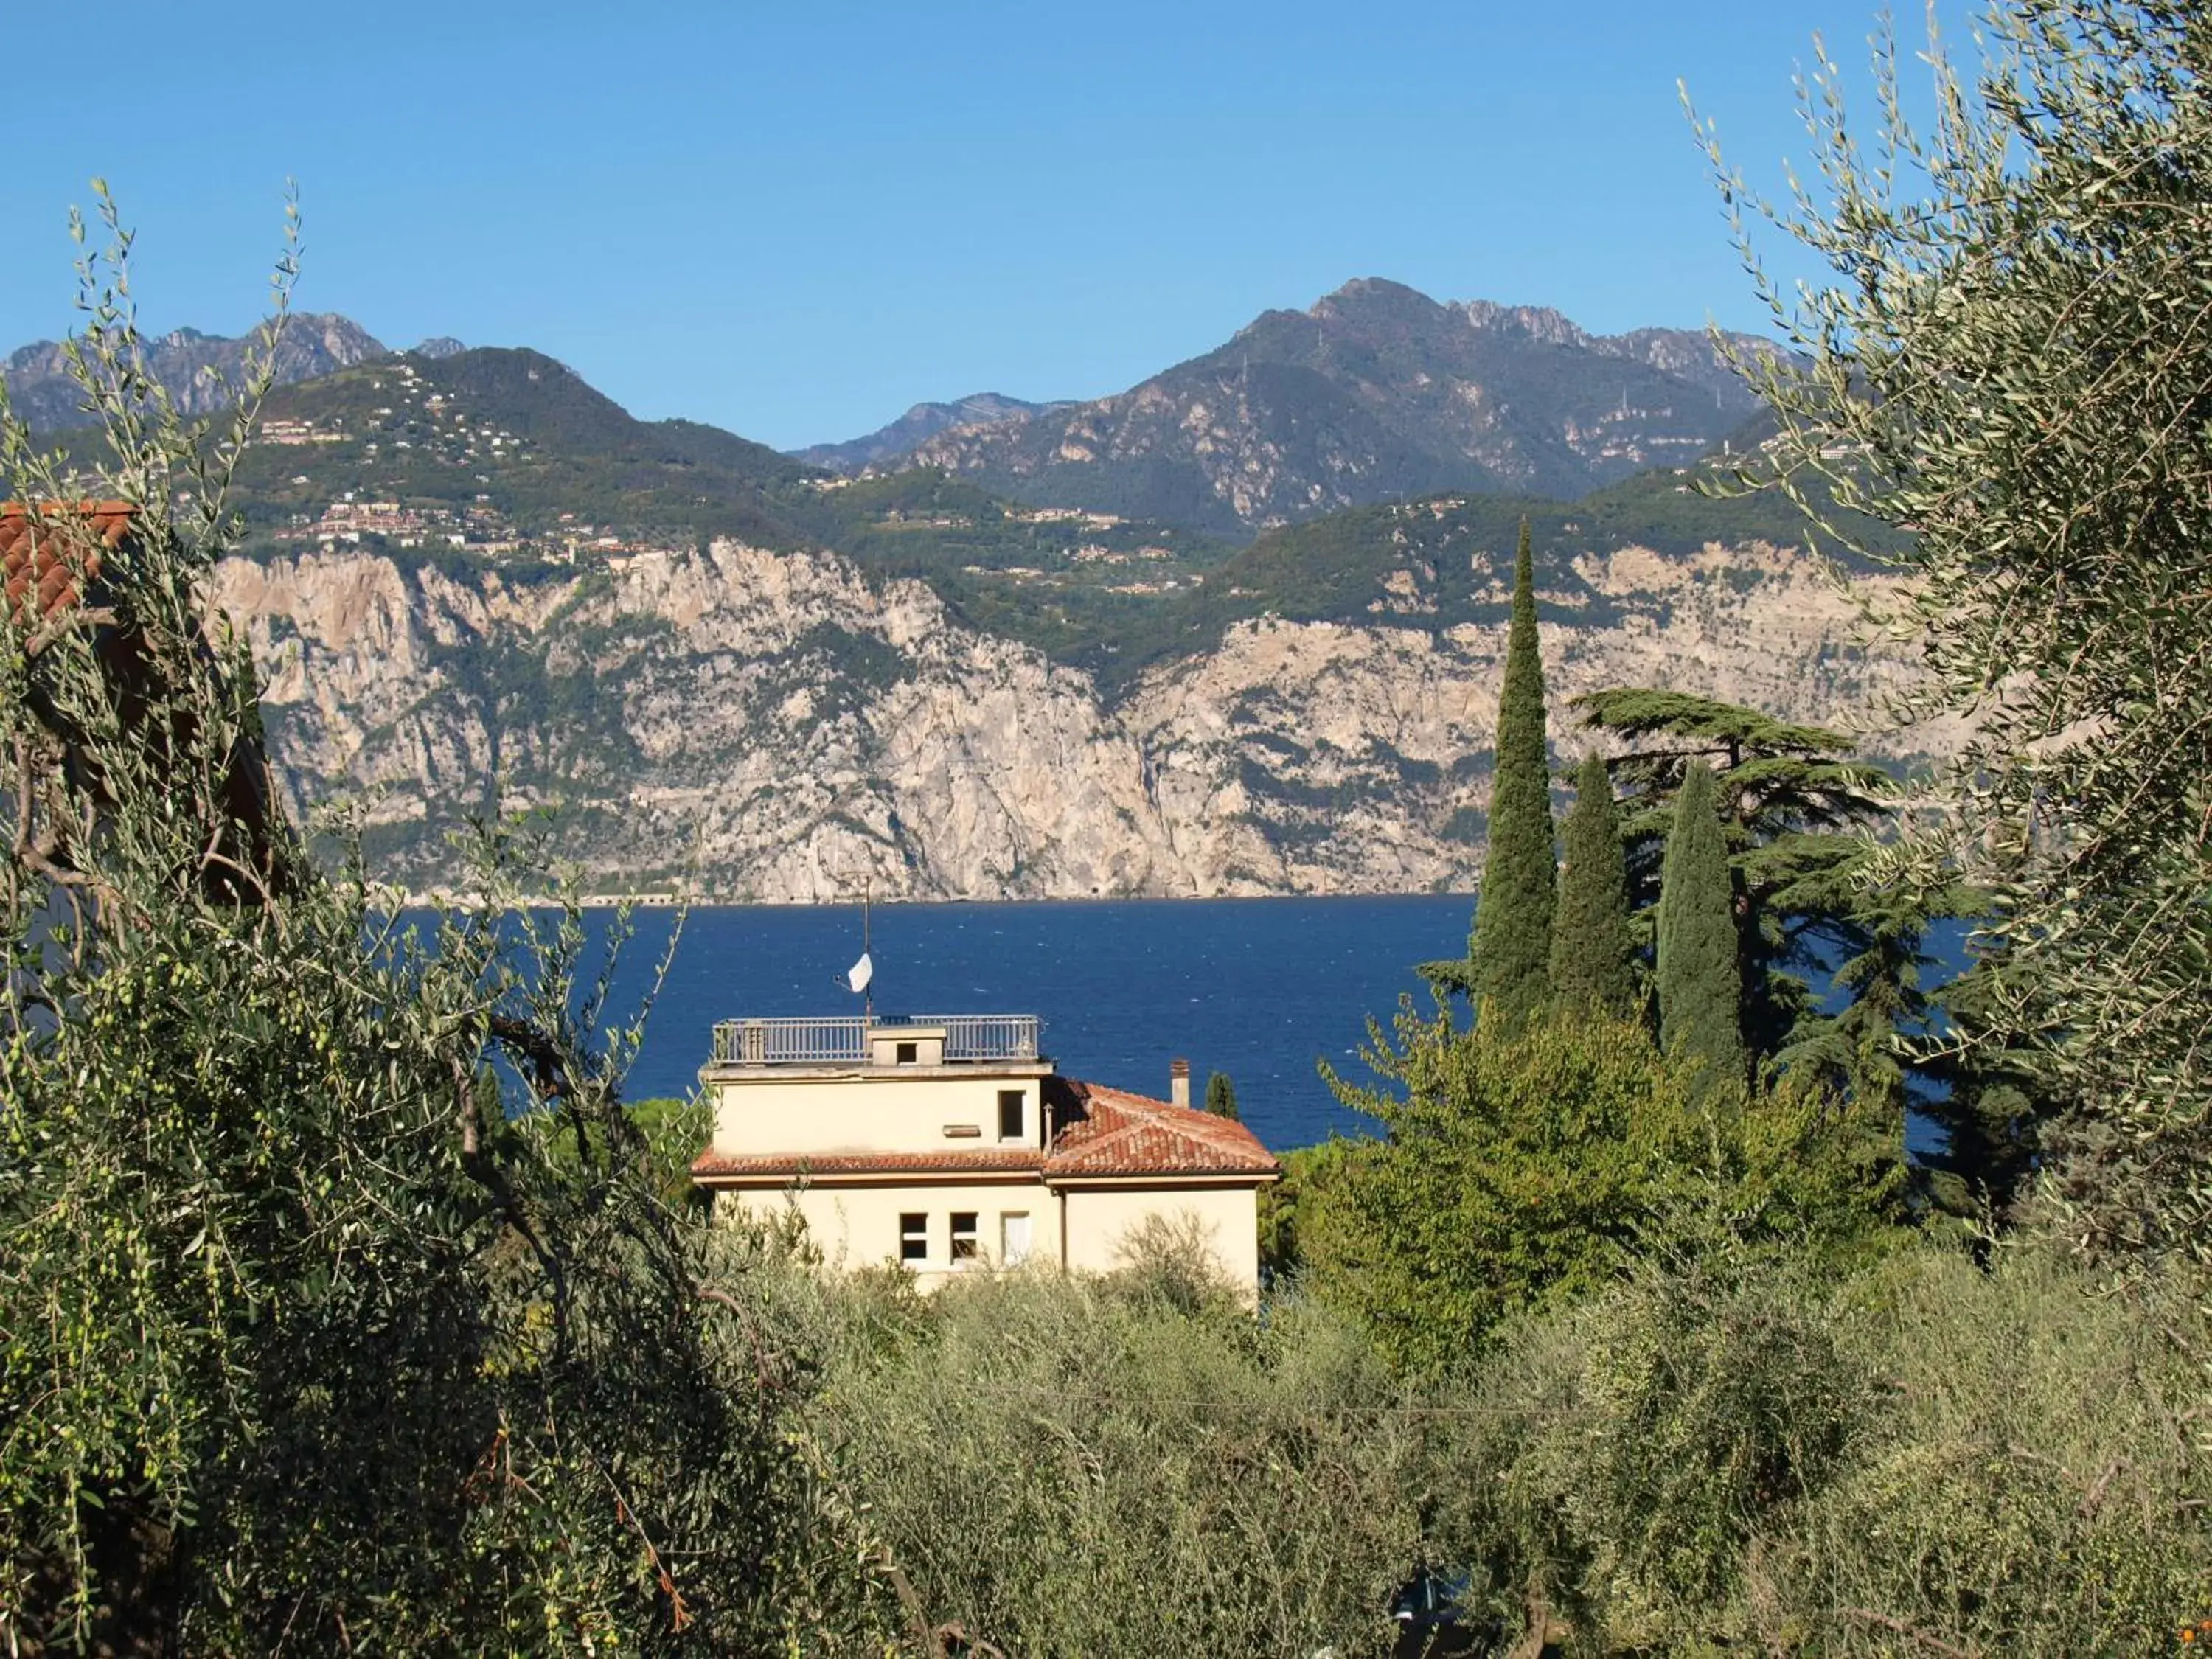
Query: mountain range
{"x": 201, "y": 372}
{"x": 1375, "y": 393}
{"x": 923, "y": 420}
{"x": 471, "y": 575}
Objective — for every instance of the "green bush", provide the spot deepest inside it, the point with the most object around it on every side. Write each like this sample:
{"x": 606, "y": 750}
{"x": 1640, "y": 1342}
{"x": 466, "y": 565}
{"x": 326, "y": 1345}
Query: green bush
{"x": 1127, "y": 1466}
{"x": 308, "y": 1340}
{"x": 1925, "y": 1458}
{"x": 1523, "y": 1171}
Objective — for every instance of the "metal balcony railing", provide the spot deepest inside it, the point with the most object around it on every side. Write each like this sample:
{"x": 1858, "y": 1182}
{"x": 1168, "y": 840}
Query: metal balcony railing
{"x": 986, "y": 1037}
{"x": 790, "y": 1042}
{"x": 843, "y": 1040}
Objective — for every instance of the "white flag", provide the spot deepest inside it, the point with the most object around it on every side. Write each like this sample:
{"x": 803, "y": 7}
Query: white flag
{"x": 862, "y": 971}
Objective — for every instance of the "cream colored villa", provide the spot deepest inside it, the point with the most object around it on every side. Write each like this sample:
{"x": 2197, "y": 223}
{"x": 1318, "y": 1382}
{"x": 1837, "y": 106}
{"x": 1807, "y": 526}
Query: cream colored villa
{"x": 944, "y": 1144}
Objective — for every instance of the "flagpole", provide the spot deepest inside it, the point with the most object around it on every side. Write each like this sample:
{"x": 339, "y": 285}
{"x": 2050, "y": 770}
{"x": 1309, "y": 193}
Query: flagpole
{"x": 868, "y": 991}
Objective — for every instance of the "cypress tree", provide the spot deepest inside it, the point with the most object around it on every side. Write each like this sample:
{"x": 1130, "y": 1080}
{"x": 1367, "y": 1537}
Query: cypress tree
{"x": 1700, "y": 984}
{"x": 1593, "y": 952}
{"x": 1221, "y": 1097}
{"x": 1511, "y": 943}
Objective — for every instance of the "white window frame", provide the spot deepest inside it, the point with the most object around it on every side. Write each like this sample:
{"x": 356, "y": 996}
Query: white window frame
{"x": 973, "y": 1237}
{"x": 914, "y": 1235}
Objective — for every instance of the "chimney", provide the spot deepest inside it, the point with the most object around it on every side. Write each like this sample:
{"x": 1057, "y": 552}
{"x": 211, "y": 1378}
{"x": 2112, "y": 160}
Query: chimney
{"x": 1179, "y": 1082}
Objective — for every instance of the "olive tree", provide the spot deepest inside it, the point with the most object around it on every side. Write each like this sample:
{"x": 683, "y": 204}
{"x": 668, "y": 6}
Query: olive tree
{"x": 308, "y": 1339}
{"x": 2013, "y": 362}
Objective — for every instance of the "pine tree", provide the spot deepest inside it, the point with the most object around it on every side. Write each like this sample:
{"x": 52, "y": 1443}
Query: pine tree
{"x": 1511, "y": 943}
{"x": 1700, "y": 986}
{"x": 1794, "y": 804}
{"x": 1593, "y": 951}
{"x": 1221, "y": 1097}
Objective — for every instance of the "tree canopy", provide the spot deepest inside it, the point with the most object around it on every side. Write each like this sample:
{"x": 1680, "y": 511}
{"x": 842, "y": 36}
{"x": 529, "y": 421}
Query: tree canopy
{"x": 307, "y": 1335}
{"x": 1700, "y": 983}
{"x": 1523, "y": 1170}
{"x": 1221, "y": 1096}
{"x": 1799, "y": 813}
{"x": 2010, "y": 361}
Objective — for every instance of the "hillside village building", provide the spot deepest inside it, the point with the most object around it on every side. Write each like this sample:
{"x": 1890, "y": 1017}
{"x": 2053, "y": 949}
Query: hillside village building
{"x": 946, "y": 1143}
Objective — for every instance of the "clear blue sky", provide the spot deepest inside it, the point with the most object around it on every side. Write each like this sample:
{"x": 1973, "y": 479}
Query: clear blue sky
{"x": 795, "y": 220}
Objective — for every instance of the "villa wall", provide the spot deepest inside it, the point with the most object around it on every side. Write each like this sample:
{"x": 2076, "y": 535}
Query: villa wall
{"x": 1100, "y": 1220}
{"x": 857, "y": 1226}
{"x": 888, "y": 1112}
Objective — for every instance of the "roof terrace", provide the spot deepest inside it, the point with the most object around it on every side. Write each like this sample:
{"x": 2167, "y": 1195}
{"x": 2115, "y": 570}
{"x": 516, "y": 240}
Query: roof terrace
{"x": 857, "y": 1040}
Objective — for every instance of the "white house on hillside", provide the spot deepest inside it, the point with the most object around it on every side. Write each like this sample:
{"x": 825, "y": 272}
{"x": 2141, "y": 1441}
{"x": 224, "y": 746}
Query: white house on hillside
{"x": 946, "y": 1143}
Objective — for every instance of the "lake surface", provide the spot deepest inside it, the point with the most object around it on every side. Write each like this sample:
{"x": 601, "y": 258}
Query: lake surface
{"x": 1263, "y": 989}
{"x": 1259, "y": 988}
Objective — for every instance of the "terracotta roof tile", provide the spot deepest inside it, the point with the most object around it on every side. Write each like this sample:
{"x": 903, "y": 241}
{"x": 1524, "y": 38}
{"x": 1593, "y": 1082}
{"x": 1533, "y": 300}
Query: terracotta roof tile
{"x": 50, "y": 557}
{"x": 1109, "y": 1131}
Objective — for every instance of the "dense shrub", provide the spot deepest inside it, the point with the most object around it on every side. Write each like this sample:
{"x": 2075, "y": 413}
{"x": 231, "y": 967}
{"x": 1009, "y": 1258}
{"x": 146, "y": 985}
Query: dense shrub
{"x": 1525, "y": 1170}
{"x": 1130, "y": 1465}
{"x": 1925, "y": 1458}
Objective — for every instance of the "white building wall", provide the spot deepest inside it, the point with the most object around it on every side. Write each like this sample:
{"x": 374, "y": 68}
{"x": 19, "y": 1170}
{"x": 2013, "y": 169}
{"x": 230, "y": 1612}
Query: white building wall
{"x": 892, "y": 1113}
{"x": 1226, "y": 1218}
{"x": 858, "y": 1226}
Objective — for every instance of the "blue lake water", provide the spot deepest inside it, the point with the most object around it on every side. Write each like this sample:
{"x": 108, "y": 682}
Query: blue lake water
{"x": 1259, "y": 988}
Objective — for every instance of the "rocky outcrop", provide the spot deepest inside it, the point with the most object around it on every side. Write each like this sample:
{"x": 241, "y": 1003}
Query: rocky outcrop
{"x": 771, "y": 726}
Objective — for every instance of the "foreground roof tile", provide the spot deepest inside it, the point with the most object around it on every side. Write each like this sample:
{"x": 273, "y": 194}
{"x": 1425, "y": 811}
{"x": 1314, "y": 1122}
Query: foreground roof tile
{"x": 50, "y": 556}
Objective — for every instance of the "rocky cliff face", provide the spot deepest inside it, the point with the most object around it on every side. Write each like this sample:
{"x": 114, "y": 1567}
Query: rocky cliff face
{"x": 771, "y": 726}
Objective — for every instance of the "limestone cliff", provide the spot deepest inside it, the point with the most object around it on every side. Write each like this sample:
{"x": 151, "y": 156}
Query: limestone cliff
{"x": 775, "y": 727}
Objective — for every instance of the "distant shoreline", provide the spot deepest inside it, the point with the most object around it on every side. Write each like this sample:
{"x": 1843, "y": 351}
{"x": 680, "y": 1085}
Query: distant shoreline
{"x": 668, "y": 902}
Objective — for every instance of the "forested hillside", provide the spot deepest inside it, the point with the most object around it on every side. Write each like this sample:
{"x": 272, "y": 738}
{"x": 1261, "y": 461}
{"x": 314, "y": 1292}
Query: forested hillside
{"x": 475, "y": 568}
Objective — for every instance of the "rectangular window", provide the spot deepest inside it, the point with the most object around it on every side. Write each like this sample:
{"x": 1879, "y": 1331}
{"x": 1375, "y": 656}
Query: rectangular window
{"x": 1014, "y": 1238}
{"x": 907, "y": 1053}
{"x": 1011, "y": 1113}
{"x": 964, "y": 1235}
{"x": 914, "y": 1238}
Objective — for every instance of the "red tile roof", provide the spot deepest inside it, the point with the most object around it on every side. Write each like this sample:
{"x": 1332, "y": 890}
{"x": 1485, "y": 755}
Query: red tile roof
{"x": 1101, "y": 1132}
{"x": 55, "y": 554}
